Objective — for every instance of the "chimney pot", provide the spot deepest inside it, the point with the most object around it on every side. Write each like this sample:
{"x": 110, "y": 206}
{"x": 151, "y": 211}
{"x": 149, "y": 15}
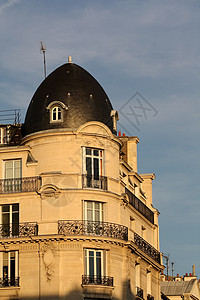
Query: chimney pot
{"x": 193, "y": 270}
{"x": 124, "y": 134}
{"x": 120, "y": 133}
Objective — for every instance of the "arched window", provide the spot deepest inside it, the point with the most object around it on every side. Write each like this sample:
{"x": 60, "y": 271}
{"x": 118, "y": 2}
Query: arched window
{"x": 56, "y": 114}
{"x": 57, "y": 109}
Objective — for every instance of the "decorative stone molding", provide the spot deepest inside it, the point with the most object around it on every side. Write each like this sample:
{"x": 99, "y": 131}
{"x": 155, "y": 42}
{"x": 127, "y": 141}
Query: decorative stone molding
{"x": 48, "y": 258}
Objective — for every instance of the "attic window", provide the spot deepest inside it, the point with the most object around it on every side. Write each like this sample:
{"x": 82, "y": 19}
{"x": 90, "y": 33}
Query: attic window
{"x": 56, "y": 109}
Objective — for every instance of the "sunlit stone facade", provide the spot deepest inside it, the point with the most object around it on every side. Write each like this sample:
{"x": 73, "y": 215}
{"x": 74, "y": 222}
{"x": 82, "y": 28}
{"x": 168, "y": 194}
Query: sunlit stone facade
{"x": 77, "y": 220}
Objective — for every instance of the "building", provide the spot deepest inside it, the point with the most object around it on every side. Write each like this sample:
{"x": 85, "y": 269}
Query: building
{"x": 77, "y": 220}
{"x": 181, "y": 288}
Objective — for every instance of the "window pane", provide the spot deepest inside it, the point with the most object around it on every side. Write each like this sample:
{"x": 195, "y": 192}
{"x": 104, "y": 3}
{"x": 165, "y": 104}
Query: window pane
{"x": 96, "y": 168}
{"x": 88, "y": 166}
{"x": 15, "y": 207}
{"x": 17, "y": 169}
{"x": 91, "y": 263}
{"x": 6, "y": 219}
{"x": 5, "y": 208}
{"x": 59, "y": 113}
{"x": 88, "y": 151}
{"x": 89, "y": 215}
{"x": 98, "y": 264}
{"x": 96, "y": 152}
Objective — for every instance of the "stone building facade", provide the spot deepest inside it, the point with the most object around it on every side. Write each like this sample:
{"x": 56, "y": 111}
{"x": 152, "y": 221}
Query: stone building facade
{"x": 77, "y": 220}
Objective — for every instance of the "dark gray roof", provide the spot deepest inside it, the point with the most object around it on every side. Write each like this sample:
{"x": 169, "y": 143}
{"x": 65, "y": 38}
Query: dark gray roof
{"x": 172, "y": 288}
{"x": 78, "y": 90}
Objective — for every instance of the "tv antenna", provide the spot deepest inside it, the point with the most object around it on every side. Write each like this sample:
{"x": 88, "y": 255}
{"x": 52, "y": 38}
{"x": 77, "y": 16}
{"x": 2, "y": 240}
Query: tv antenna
{"x": 43, "y": 50}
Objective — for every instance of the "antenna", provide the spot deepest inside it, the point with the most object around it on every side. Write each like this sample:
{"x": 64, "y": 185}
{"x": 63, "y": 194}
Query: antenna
{"x": 43, "y": 50}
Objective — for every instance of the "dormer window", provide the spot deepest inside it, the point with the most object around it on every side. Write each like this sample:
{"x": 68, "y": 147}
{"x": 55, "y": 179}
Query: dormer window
{"x": 56, "y": 109}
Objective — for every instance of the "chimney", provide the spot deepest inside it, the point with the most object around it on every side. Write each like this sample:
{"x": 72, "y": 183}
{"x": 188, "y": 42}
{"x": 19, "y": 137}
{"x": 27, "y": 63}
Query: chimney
{"x": 119, "y": 134}
{"x": 193, "y": 270}
{"x": 69, "y": 59}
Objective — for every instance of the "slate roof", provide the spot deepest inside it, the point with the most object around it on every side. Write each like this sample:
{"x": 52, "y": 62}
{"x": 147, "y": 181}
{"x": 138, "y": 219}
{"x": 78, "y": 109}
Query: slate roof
{"x": 172, "y": 288}
{"x": 78, "y": 90}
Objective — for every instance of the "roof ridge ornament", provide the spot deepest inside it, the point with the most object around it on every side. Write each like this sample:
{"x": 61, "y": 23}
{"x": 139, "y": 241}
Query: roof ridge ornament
{"x": 69, "y": 59}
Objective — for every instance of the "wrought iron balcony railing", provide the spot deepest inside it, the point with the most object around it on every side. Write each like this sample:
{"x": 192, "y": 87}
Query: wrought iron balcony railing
{"x": 146, "y": 247}
{"x": 77, "y": 227}
{"x": 17, "y": 230}
{"x": 7, "y": 282}
{"x": 20, "y": 185}
{"x": 149, "y": 297}
{"x": 97, "y": 280}
{"x": 140, "y": 206}
{"x": 139, "y": 293}
{"x": 89, "y": 181}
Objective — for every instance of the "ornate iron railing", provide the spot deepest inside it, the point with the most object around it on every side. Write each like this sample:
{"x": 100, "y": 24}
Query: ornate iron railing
{"x": 97, "y": 280}
{"x": 89, "y": 181}
{"x": 16, "y": 230}
{"x": 149, "y": 297}
{"x": 6, "y": 282}
{"x": 20, "y": 185}
{"x": 77, "y": 227}
{"x": 146, "y": 247}
{"x": 139, "y": 293}
{"x": 140, "y": 206}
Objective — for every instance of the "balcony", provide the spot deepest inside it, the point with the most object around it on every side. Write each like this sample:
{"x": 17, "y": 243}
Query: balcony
{"x": 139, "y": 293}
{"x": 18, "y": 230}
{"x": 146, "y": 248}
{"x": 97, "y": 280}
{"x": 89, "y": 181}
{"x": 93, "y": 228}
{"x": 20, "y": 185}
{"x": 140, "y": 206}
{"x": 9, "y": 282}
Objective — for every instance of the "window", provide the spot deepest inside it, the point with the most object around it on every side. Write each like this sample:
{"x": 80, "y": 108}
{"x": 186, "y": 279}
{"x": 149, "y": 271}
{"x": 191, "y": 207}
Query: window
{"x": 9, "y": 269}
{"x": 93, "y": 168}
{"x": 93, "y": 216}
{"x": 93, "y": 211}
{"x": 94, "y": 265}
{"x": 3, "y": 136}
{"x": 12, "y": 175}
{"x": 148, "y": 282}
{"x": 56, "y": 114}
{"x": 9, "y": 220}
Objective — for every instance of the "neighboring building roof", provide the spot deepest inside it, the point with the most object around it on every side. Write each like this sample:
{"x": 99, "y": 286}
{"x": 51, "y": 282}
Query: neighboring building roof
{"x": 78, "y": 90}
{"x": 175, "y": 288}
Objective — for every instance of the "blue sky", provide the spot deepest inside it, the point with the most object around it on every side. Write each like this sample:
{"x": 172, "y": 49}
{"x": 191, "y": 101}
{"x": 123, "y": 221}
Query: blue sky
{"x": 147, "y": 46}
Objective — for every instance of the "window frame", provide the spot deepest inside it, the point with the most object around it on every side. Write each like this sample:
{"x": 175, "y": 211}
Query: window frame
{"x": 92, "y": 156}
{"x": 10, "y": 227}
{"x": 8, "y": 264}
{"x": 87, "y": 262}
{"x": 93, "y": 209}
{"x": 56, "y": 110}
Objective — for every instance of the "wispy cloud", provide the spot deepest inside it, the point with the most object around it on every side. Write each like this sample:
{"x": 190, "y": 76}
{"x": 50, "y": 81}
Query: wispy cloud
{"x": 8, "y": 4}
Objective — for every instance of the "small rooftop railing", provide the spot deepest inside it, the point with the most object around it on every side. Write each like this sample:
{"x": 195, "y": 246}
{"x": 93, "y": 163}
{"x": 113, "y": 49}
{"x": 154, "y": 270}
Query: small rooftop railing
{"x": 10, "y": 116}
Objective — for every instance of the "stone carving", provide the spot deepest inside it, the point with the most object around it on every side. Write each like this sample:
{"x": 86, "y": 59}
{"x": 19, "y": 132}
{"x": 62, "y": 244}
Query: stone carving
{"x": 48, "y": 258}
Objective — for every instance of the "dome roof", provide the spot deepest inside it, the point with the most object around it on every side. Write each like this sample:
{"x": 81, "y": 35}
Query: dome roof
{"x": 77, "y": 93}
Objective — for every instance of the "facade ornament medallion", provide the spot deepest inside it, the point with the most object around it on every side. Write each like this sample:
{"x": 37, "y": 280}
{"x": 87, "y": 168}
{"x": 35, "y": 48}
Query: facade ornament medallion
{"x": 48, "y": 258}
